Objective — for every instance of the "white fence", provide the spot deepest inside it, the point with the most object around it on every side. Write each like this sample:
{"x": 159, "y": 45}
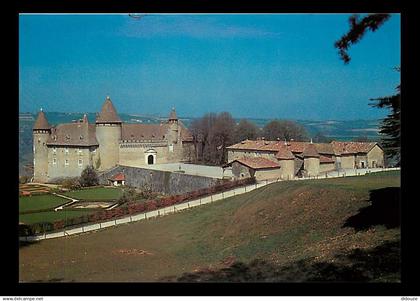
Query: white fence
{"x": 184, "y": 206}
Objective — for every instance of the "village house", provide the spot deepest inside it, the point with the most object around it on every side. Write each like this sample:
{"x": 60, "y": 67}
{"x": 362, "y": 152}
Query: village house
{"x": 286, "y": 160}
{"x": 66, "y": 149}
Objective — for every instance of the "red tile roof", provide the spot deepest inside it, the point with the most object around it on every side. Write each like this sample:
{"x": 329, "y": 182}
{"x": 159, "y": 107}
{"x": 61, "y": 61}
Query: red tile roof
{"x": 108, "y": 113}
{"x": 132, "y": 131}
{"x": 73, "y": 134}
{"x": 118, "y": 177}
{"x": 310, "y": 151}
{"x": 256, "y": 163}
{"x": 352, "y": 147}
{"x": 293, "y": 146}
{"x": 141, "y": 132}
{"x": 284, "y": 154}
{"x": 296, "y": 147}
{"x": 41, "y": 122}
{"x": 324, "y": 159}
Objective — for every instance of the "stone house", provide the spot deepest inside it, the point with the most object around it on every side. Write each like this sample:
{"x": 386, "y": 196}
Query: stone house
{"x": 65, "y": 150}
{"x": 295, "y": 158}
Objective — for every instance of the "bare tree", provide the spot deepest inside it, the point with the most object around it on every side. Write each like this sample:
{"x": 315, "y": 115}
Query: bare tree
{"x": 212, "y": 133}
{"x": 246, "y": 130}
{"x": 284, "y": 130}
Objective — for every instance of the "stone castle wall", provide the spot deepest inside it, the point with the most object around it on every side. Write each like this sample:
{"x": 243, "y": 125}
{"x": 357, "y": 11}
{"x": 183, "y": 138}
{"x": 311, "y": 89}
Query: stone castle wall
{"x": 160, "y": 181}
{"x": 58, "y": 168}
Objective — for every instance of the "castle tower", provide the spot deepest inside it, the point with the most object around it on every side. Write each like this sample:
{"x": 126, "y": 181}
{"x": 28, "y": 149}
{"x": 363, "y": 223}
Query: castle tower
{"x": 287, "y": 163}
{"x": 41, "y": 132}
{"x": 173, "y": 134}
{"x": 311, "y": 160}
{"x": 108, "y": 134}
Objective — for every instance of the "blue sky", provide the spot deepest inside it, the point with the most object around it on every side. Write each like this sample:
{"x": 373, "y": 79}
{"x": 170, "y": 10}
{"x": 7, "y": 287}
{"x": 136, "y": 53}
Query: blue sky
{"x": 251, "y": 65}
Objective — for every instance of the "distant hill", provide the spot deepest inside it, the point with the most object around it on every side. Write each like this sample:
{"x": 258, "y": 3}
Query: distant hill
{"x": 333, "y": 129}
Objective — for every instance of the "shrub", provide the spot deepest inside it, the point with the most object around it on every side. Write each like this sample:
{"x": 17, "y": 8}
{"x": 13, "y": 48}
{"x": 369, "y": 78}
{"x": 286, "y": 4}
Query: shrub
{"x": 71, "y": 183}
{"x": 89, "y": 177}
{"x": 24, "y": 179}
{"x": 151, "y": 205}
{"x": 58, "y": 225}
{"x": 25, "y": 230}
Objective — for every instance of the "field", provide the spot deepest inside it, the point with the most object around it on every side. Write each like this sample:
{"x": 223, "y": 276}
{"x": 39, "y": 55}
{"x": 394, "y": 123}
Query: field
{"x": 38, "y": 202}
{"x": 48, "y": 201}
{"x": 102, "y": 193}
{"x": 345, "y": 229}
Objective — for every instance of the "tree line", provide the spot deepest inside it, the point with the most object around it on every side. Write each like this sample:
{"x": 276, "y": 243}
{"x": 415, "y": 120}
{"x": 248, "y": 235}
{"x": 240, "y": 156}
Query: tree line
{"x": 213, "y": 132}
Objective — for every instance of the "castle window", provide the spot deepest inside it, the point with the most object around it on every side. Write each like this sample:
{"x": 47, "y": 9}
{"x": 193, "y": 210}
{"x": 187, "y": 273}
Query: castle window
{"x": 54, "y": 150}
{"x": 66, "y": 150}
{"x": 66, "y": 162}
{"x": 80, "y": 163}
{"x": 54, "y": 161}
{"x": 80, "y": 151}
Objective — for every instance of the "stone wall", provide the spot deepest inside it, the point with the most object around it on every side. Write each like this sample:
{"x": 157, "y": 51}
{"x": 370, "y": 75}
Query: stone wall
{"x": 311, "y": 166}
{"x": 375, "y": 157}
{"x": 40, "y": 150}
{"x": 268, "y": 174}
{"x": 108, "y": 136}
{"x": 287, "y": 169}
{"x": 240, "y": 171}
{"x": 347, "y": 161}
{"x": 325, "y": 167}
{"x": 58, "y": 169}
{"x": 160, "y": 181}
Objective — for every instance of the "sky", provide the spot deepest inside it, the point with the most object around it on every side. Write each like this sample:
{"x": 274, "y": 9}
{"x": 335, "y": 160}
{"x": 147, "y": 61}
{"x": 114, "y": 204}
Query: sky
{"x": 251, "y": 65}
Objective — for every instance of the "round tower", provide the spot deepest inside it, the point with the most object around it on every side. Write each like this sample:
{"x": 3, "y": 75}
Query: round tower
{"x": 173, "y": 128}
{"x": 108, "y": 134}
{"x": 311, "y": 160}
{"x": 287, "y": 163}
{"x": 41, "y": 132}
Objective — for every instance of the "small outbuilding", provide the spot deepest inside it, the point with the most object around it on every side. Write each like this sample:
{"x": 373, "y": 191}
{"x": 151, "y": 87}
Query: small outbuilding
{"x": 117, "y": 180}
{"x": 260, "y": 168}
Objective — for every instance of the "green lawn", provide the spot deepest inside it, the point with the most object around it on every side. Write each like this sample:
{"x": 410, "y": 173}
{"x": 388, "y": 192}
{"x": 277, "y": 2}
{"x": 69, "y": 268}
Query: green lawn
{"x": 38, "y": 202}
{"x": 51, "y": 216}
{"x": 342, "y": 229}
{"x": 96, "y": 194}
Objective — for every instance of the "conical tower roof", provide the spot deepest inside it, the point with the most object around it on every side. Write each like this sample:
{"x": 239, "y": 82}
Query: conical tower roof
{"x": 284, "y": 154}
{"x": 41, "y": 122}
{"x": 310, "y": 151}
{"x": 108, "y": 113}
{"x": 172, "y": 115}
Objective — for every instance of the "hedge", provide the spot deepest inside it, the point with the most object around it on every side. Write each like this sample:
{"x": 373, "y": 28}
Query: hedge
{"x": 131, "y": 208}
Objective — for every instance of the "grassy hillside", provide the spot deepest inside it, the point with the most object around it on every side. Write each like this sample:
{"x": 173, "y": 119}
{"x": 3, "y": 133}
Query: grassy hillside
{"x": 343, "y": 229}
